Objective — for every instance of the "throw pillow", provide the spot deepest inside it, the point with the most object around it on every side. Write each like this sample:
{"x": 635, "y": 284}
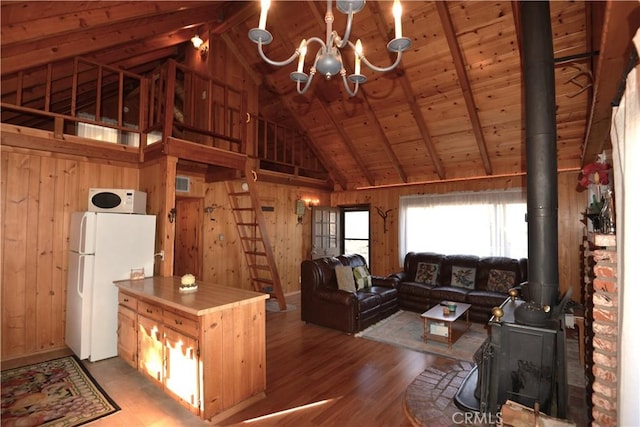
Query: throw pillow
{"x": 344, "y": 276}
{"x": 426, "y": 273}
{"x": 501, "y": 280}
{"x": 464, "y": 277}
{"x": 362, "y": 276}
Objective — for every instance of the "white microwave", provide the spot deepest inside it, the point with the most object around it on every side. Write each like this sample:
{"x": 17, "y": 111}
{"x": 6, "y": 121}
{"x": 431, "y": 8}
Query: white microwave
{"x": 117, "y": 200}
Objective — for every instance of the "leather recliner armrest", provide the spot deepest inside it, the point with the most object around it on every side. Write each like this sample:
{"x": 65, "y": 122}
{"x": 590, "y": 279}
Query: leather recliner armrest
{"x": 400, "y": 276}
{"x": 387, "y": 282}
{"x": 336, "y": 296}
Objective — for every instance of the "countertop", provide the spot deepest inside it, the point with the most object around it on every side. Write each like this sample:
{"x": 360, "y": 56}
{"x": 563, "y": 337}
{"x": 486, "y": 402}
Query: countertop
{"x": 208, "y": 298}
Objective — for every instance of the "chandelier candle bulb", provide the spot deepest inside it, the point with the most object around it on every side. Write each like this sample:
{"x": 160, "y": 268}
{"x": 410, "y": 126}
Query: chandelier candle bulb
{"x": 263, "y": 14}
{"x": 358, "y": 55}
{"x": 303, "y": 51}
{"x": 397, "y": 15}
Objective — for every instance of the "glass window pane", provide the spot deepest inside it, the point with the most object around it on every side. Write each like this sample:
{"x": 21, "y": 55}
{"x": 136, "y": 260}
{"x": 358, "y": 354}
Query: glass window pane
{"x": 357, "y": 247}
{"x": 483, "y": 224}
{"x": 356, "y": 225}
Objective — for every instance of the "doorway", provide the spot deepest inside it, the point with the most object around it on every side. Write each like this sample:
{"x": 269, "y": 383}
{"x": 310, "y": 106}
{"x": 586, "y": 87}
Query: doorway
{"x": 355, "y": 231}
{"x": 188, "y": 237}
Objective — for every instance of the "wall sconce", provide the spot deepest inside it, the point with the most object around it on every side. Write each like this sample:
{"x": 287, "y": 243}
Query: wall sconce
{"x": 197, "y": 41}
{"x": 302, "y": 205}
{"x": 172, "y": 215}
{"x": 199, "y": 44}
{"x": 312, "y": 202}
{"x": 210, "y": 209}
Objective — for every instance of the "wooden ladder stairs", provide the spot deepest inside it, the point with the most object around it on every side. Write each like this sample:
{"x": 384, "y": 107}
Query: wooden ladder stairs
{"x": 252, "y": 230}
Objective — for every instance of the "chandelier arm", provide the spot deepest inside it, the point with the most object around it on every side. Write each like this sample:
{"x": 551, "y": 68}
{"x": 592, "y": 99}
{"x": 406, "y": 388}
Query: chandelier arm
{"x": 346, "y": 85}
{"x": 307, "y": 85}
{"x": 317, "y": 40}
{"x": 277, "y": 63}
{"x": 347, "y": 32}
{"x": 382, "y": 69}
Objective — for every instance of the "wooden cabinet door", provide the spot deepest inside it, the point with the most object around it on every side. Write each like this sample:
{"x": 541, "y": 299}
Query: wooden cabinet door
{"x": 150, "y": 347}
{"x": 181, "y": 369}
{"x": 127, "y": 336}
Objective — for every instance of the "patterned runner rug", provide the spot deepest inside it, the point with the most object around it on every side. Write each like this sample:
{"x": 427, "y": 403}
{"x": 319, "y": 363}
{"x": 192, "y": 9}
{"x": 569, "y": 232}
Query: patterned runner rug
{"x": 406, "y": 328}
{"x": 60, "y": 392}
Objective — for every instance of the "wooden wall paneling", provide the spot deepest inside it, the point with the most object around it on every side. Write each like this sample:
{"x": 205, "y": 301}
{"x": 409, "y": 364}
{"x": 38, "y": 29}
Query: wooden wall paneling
{"x": 34, "y": 297}
{"x": 224, "y": 261}
{"x": 384, "y": 252}
{"x": 571, "y": 209}
{"x": 61, "y": 244}
{"x": 14, "y": 298}
{"x": 158, "y": 180}
{"x": 39, "y": 192}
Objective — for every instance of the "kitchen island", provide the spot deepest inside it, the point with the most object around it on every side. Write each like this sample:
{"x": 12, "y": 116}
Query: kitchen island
{"x": 205, "y": 348}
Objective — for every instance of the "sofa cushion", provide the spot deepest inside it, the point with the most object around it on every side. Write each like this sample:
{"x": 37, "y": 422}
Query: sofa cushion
{"x": 344, "y": 276}
{"x": 367, "y": 301}
{"x": 413, "y": 288}
{"x": 427, "y": 273}
{"x": 485, "y": 298}
{"x": 362, "y": 276}
{"x": 463, "y": 277}
{"x": 500, "y": 280}
{"x": 412, "y": 259}
{"x": 385, "y": 294}
{"x": 448, "y": 293}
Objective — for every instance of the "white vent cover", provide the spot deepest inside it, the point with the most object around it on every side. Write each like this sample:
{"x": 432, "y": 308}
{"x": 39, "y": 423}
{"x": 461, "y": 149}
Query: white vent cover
{"x": 182, "y": 184}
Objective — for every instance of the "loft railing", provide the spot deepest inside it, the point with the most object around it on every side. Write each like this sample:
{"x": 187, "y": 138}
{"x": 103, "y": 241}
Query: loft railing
{"x": 129, "y": 112}
{"x": 203, "y": 110}
{"x": 283, "y": 149}
{"x": 78, "y": 97}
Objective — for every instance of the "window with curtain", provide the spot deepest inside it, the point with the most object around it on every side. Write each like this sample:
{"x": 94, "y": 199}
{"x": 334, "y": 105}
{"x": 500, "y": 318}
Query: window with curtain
{"x": 480, "y": 223}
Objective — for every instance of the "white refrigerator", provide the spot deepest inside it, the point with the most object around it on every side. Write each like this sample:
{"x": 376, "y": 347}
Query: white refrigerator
{"x": 103, "y": 247}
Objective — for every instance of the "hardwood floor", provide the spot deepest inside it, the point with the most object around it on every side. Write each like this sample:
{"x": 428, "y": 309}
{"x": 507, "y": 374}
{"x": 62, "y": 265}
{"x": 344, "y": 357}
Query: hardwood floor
{"x": 315, "y": 377}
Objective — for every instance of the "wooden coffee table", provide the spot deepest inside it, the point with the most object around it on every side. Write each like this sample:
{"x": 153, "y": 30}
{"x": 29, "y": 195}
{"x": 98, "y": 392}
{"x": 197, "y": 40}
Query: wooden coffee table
{"x": 435, "y": 317}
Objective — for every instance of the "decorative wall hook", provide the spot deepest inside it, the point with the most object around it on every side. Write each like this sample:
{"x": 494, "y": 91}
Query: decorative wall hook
{"x": 383, "y": 214}
{"x": 172, "y": 215}
{"x": 582, "y": 71}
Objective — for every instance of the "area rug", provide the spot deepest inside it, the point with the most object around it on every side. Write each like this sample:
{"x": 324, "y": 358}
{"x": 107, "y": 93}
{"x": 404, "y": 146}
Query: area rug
{"x": 60, "y": 392}
{"x": 272, "y": 306}
{"x": 406, "y": 328}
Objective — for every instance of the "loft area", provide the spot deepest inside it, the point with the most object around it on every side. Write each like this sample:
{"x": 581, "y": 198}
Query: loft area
{"x": 209, "y": 127}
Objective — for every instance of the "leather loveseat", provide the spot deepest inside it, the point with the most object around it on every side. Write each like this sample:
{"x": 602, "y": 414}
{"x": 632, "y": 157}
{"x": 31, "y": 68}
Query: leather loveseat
{"x": 323, "y": 303}
{"x": 429, "y": 278}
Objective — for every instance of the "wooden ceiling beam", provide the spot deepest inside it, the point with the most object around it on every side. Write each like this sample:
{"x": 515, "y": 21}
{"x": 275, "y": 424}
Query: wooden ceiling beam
{"x": 411, "y": 99}
{"x": 36, "y": 25}
{"x": 15, "y": 57}
{"x": 371, "y": 116}
{"x": 622, "y": 19}
{"x": 463, "y": 79}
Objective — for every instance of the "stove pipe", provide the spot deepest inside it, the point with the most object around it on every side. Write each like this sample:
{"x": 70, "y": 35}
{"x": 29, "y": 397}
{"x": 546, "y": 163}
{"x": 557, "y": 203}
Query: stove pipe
{"x": 542, "y": 164}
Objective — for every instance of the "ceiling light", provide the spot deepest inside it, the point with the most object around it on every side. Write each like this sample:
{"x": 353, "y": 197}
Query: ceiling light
{"x": 197, "y": 41}
{"x": 328, "y": 59}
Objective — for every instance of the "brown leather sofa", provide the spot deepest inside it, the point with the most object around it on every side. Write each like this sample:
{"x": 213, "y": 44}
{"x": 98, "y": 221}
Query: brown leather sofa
{"x": 323, "y": 303}
{"x": 493, "y": 277}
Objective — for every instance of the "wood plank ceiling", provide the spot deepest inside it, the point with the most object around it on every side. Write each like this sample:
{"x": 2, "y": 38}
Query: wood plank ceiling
{"x": 452, "y": 110}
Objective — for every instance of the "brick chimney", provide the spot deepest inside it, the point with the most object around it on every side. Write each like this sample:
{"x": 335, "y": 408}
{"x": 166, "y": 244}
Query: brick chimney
{"x": 601, "y": 324}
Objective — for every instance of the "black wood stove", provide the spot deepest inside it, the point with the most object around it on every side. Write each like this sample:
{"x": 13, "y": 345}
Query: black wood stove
{"x": 524, "y": 358}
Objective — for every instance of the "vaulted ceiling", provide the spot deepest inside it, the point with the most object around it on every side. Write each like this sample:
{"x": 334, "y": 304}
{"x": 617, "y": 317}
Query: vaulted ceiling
{"x": 453, "y": 109}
